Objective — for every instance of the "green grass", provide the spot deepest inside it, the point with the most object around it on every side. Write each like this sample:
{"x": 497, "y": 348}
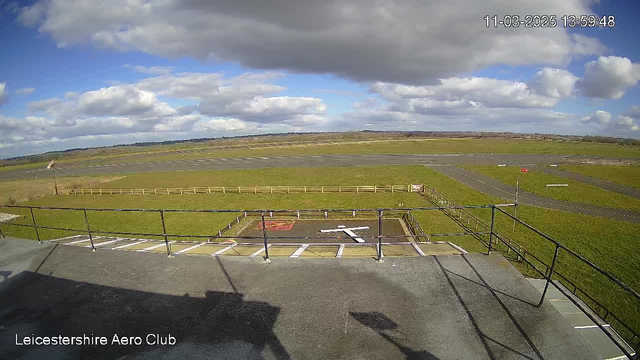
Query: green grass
{"x": 621, "y": 174}
{"x": 420, "y": 146}
{"x": 381, "y": 175}
{"x": 535, "y": 181}
{"x": 608, "y": 243}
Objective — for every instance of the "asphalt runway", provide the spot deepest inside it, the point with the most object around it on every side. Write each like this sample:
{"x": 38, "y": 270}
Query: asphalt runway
{"x": 257, "y": 162}
{"x": 499, "y": 189}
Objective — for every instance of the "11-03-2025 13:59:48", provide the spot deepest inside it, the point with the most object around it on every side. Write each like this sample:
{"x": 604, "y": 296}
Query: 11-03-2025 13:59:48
{"x": 550, "y": 21}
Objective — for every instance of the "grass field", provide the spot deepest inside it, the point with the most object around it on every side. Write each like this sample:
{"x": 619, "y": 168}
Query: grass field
{"x": 12, "y": 191}
{"x": 608, "y": 243}
{"x": 420, "y": 146}
{"x": 625, "y": 175}
{"x": 535, "y": 181}
{"x": 346, "y": 145}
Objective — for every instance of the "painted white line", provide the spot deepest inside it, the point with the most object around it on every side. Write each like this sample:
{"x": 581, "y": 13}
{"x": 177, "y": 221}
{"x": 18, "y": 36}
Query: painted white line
{"x": 300, "y": 250}
{"x": 259, "y": 251}
{"x": 264, "y": 158}
{"x": 457, "y": 248}
{"x": 223, "y": 250}
{"x": 590, "y": 326}
{"x": 340, "y": 251}
{"x": 418, "y": 250}
{"x": 77, "y": 242}
{"x": 189, "y": 248}
{"x": 155, "y": 247}
{"x": 127, "y": 245}
{"x": 103, "y": 243}
{"x": 621, "y": 357}
{"x": 67, "y": 238}
{"x": 353, "y": 235}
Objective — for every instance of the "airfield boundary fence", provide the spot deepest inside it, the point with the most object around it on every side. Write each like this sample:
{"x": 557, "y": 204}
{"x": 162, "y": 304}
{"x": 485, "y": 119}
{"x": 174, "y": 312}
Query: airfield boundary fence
{"x": 468, "y": 221}
{"x": 286, "y": 189}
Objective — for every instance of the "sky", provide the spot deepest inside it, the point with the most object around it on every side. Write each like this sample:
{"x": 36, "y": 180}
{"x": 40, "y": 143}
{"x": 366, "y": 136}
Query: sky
{"x": 94, "y": 73}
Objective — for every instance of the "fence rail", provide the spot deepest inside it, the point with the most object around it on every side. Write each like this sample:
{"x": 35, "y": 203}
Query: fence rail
{"x": 283, "y": 189}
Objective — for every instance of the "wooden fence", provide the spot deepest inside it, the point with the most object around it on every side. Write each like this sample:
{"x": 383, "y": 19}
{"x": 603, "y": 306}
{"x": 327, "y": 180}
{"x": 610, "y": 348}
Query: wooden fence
{"x": 251, "y": 190}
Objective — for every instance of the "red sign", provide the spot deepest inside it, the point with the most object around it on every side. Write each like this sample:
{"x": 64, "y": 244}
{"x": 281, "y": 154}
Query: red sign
{"x": 524, "y": 170}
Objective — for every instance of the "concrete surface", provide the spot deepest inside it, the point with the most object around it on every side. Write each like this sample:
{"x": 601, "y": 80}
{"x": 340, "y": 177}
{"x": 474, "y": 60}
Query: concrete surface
{"x": 581, "y": 322}
{"x": 497, "y": 188}
{"x": 445, "y": 307}
{"x": 293, "y": 161}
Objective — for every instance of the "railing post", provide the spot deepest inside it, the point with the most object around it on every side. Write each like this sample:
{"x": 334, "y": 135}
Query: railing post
{"x": 1, "y": 234}
{"x": 86, "y": 221}
{"x": 493, "y": 216}
{"x": 35, "y": 226}
{"x": 380, "y": 236}
{"x": 266, "y": 241}
{"x": 164, "y": 232}
{"x": 546, "y": 285}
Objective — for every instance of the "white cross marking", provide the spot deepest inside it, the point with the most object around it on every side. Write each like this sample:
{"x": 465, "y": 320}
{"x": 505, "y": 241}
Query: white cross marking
{"x": 348, "y": 231}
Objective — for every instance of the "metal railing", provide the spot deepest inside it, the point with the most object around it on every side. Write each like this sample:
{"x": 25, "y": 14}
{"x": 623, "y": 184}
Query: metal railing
{"x": 456, "y": 210}
{"x": 249, "y": 190}
{"x": 468, "y": 220}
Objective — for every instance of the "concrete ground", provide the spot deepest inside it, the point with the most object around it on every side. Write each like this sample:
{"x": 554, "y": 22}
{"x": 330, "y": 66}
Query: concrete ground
{"x": 499, "y": 189}
{"x": 440, "y": 307}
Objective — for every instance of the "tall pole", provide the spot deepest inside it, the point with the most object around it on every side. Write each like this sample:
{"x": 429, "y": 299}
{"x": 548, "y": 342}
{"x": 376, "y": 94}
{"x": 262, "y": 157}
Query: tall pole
{"x": 515, "y": 208}
{"x": 55, "y": 181}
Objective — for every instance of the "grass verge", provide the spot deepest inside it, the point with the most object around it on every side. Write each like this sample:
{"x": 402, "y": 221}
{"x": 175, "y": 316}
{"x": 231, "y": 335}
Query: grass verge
{"x": 621, "y": 174}
{"x": 535, "y": 181}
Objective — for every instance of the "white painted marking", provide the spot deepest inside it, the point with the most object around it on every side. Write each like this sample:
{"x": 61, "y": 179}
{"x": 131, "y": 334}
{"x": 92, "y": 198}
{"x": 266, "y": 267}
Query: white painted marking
{"x": 348, "y": 231}
{"x": 554, "y": 165}
{"x": 300, "y": 250}
{"x": 264, "y": 158}
{"x": 502, "y": 165}
{"x": 353, "y": 235}
{"x": 418, "y": 250}
{"x": 189, "y": 248}
{"x": 621, "y": 357}
{"x": 127, "y": 245}
{"x": 103, "y": 243}
{"x": 223, "y": 250}
{"x": 590, "y": 326}
{"x": 259, "y": 251}
{"x": 457, "y": 247}
{"x": 155, "y": 247}
{"x": 340, "y": 251}
{"x": 79, "y": 241}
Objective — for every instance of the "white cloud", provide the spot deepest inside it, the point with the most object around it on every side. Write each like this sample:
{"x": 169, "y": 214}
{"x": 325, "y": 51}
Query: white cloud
{"x": 553, "y": 83}
{"x": 598, "y": 117}
{"x": 609, "y": 77}
{"x": 3, "y": 93}
{"x": 627, "y": 123}
{"x": 155, "y": 70}
{"x": 634, "y": 112}
{"x": 391, "y": 41}
{"x": 25, "y": 91}
{"x": 219, "y": 105}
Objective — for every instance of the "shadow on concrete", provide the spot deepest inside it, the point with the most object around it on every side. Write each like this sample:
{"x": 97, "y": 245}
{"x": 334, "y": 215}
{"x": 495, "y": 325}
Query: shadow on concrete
{"x": 217, "y": 325}
{"x": 386, "y": 328}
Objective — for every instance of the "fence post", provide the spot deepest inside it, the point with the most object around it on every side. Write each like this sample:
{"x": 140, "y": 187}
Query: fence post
{"x": 380, "y": 236}
{"x": 1, "y": 234}
{"x": 546, "y": 285}
{"x": 266, "y": 241}
{"x": 35, "y": 226}
{"x": 493, "y": 216}
{"x": 164, "y": 231}
{"x": 86, "y": 221}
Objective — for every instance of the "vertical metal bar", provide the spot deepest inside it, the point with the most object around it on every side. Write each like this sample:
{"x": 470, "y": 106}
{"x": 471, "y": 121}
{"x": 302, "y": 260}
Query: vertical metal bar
{"x": 546, "y": 285}
{"x": 493, "y": 216}
{"x": 164, "y": 231}
{"x": 379, "y": 235}
{"x": 55, "y": 181}
{"x": 35, "y": 226}
{"x": 86, "y": 221}
{"x": 266, "y": 241}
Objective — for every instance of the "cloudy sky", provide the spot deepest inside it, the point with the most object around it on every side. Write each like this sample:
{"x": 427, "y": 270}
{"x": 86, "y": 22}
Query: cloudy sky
{"x": 92, "y": 73}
